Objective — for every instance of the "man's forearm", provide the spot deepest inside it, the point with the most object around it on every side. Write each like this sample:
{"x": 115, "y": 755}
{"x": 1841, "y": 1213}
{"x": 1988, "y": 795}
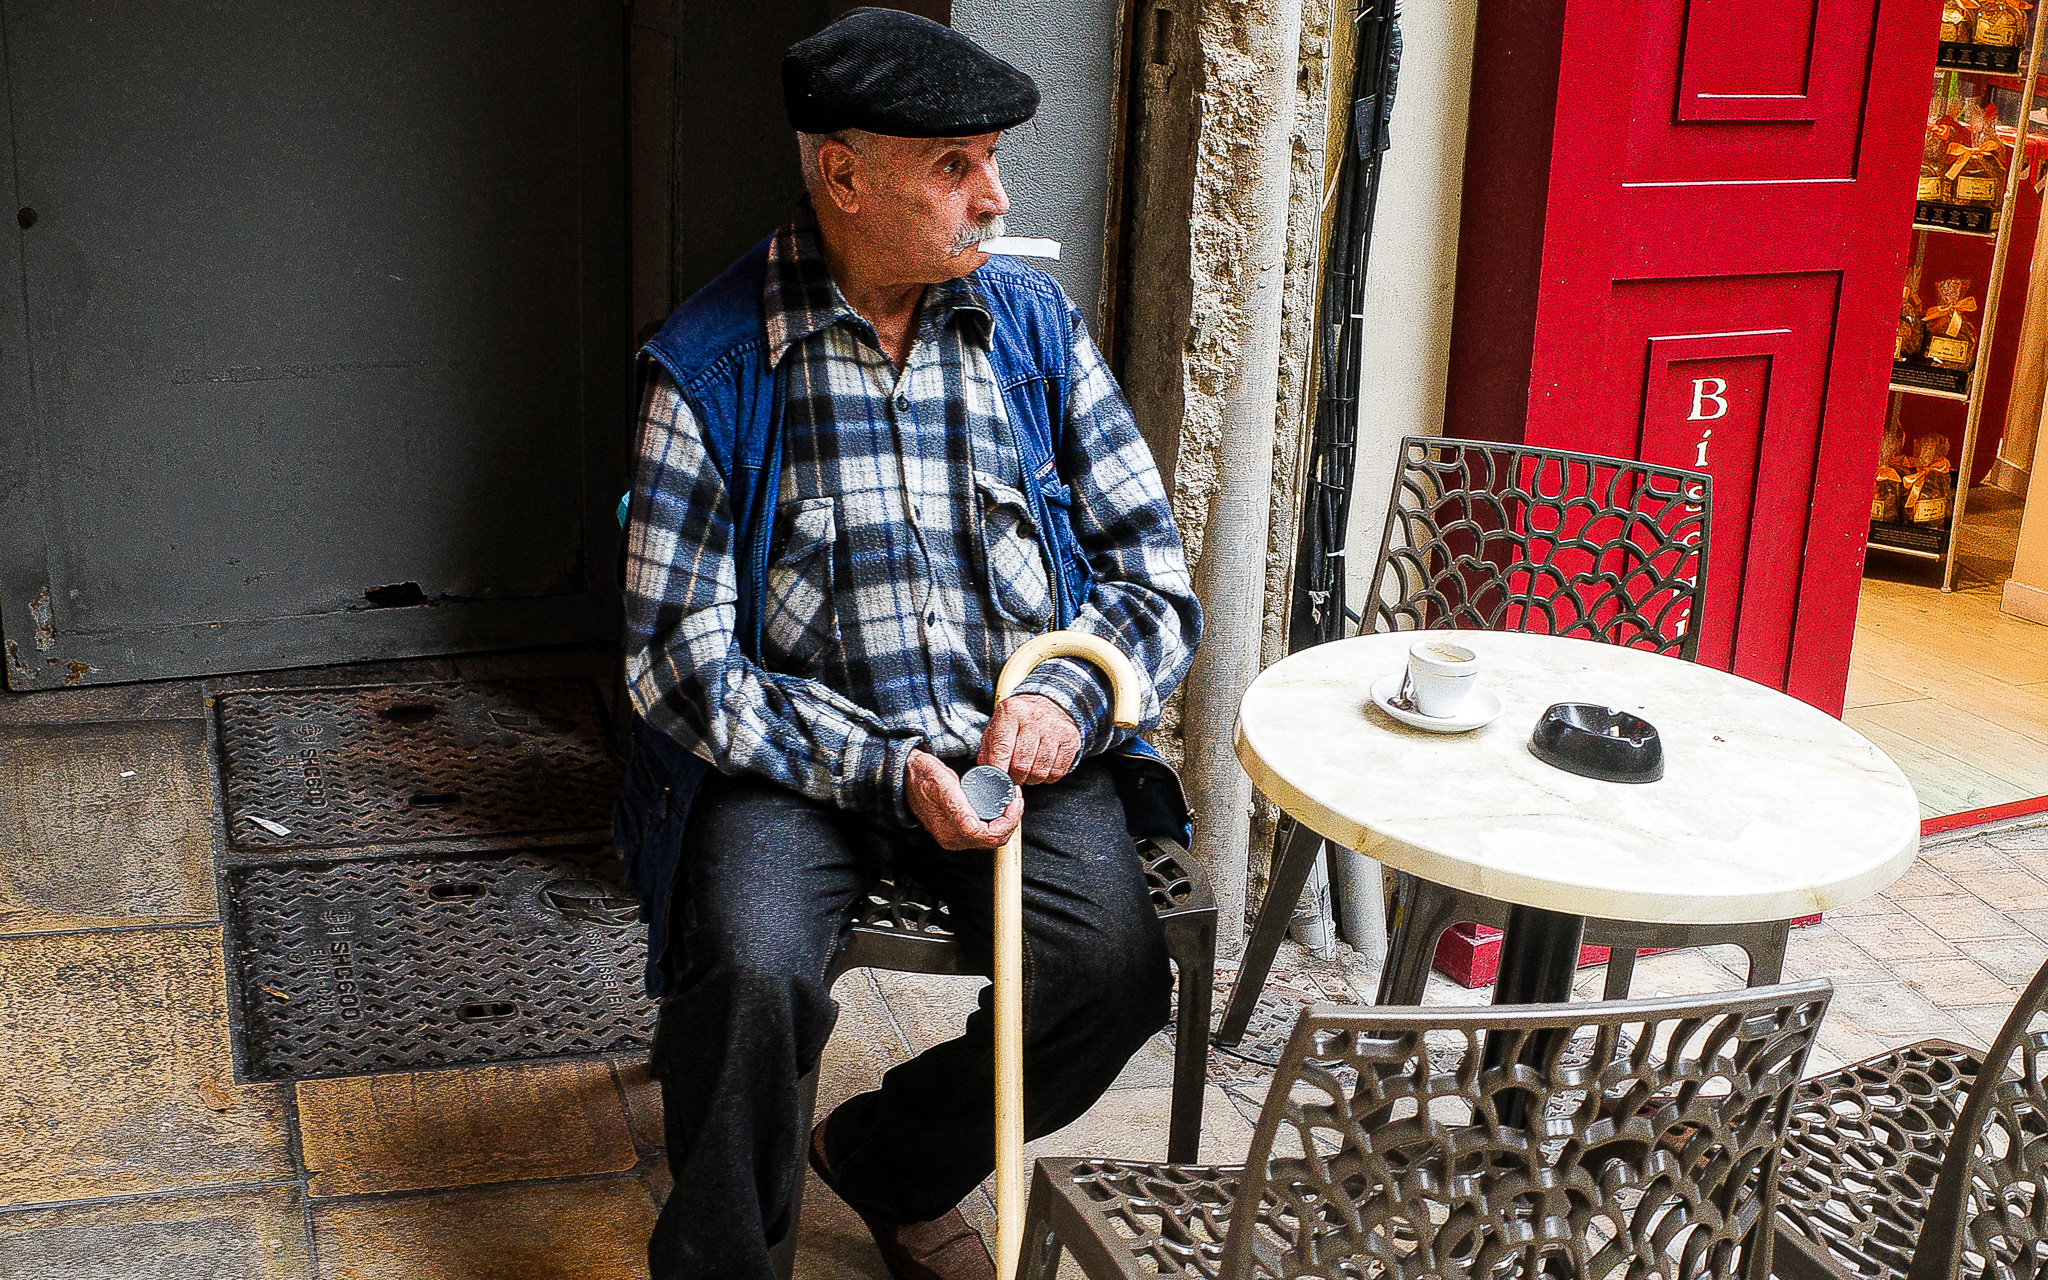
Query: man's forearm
{"x": 1149, "y": 631}
{"x": 796, "y": 733}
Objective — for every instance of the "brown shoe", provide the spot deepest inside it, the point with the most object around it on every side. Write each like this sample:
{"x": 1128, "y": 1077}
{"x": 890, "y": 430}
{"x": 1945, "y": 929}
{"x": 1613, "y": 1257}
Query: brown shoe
{"x": 945, "y": 1248}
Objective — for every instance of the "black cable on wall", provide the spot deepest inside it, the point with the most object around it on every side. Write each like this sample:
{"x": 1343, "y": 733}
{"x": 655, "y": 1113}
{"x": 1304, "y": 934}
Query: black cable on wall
{"x": 1319, "y": 611}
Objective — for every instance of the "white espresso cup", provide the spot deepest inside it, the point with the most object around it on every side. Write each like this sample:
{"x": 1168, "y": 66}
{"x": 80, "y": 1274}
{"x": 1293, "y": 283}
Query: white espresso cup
{"x": 1441, "y": 674}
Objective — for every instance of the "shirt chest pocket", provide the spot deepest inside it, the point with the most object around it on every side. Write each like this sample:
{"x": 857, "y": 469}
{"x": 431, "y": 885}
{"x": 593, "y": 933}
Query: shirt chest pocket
{"x": 1016, "y": 567}
{"x": 800, "y": 622}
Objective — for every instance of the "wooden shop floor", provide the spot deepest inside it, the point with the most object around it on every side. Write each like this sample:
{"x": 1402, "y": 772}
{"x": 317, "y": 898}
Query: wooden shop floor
{"x": 1953, "y": 689}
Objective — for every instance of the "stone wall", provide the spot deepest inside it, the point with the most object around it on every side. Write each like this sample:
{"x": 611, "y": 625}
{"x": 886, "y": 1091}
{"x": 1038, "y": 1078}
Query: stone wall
{"x": 1237, "y": 101}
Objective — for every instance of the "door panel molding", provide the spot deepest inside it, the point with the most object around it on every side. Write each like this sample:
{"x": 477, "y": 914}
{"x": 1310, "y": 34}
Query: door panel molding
{"x": 1743, "y": 61}
{"x": 1745, "y": 406}
{"x": 1708, "y": 104}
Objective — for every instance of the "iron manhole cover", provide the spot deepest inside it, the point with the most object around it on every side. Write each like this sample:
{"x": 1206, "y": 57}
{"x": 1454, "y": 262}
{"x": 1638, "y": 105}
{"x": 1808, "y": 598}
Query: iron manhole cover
{"x": 402, "y": 963}
{"x": 332, "y": 768}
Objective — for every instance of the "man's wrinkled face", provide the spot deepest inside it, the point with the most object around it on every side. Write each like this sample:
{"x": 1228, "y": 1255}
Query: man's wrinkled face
{"x": 920, "y": 205}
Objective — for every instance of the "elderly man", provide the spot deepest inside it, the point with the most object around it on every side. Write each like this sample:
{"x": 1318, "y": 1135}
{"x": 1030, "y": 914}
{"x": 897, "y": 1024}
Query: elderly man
{"x": 872, "y": 461}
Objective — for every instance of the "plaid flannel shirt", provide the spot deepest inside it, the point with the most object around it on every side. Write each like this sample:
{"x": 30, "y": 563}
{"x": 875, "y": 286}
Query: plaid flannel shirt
{"x": 903, "y": 567}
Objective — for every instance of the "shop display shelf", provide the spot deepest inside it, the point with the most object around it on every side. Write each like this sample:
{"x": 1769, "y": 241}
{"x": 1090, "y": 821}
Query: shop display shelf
{"x": 1928, "y": 542}
{"x": 1958, "y": 397}
{"x": 1980, "y": 58}
{"x": 1990, "y": 223}
{"x": 1938, "y": 229}
{"x": 1913, "y": 378}
{"x": 1967, "y": 219}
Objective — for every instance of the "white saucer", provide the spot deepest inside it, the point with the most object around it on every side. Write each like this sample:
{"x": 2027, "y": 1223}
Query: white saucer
{"x": 1482, "y": 707}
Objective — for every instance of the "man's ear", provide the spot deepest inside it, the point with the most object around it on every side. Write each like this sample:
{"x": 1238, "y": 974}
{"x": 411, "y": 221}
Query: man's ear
{"x": 837, "y": 165}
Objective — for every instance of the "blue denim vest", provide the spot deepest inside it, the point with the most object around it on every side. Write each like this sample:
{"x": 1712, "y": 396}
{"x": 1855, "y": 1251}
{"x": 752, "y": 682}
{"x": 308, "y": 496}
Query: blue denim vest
{"x": 716, "y": 349}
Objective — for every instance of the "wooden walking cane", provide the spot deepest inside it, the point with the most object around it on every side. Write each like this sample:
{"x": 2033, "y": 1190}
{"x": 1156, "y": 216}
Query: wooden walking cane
{"x": 1009, "y": 930}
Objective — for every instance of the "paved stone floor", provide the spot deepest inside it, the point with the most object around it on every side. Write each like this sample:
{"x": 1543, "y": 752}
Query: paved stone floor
{"x": 128, "y": 1151}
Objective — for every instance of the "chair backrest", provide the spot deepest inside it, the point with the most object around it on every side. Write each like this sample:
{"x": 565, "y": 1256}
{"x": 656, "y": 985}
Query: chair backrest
{"x": 1498, "y": 537}
{"x": 1988, "y": 1215}
{"x": 1651, "y": 1148}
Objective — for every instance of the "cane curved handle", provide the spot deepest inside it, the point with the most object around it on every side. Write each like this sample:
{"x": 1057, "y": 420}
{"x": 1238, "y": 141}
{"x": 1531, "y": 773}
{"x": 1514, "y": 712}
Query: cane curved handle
{"x": 1124, "y": 688}
{"x": 1009, "y": 934}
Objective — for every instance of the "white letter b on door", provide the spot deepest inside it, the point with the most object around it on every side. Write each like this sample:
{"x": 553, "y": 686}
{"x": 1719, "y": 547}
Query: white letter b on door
{"x": 1701, "y": 397}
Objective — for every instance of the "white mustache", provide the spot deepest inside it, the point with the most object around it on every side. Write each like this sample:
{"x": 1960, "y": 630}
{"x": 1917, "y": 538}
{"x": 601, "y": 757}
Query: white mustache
{"x": 974, "y": 234}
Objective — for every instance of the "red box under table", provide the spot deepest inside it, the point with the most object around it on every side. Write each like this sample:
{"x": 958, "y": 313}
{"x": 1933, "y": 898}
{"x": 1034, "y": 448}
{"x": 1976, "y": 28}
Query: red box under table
{"x": 1469, "y": 954}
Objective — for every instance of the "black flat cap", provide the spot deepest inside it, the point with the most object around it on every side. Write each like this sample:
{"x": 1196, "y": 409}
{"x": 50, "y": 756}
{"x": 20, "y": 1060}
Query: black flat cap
{"x": 902, "y": 75}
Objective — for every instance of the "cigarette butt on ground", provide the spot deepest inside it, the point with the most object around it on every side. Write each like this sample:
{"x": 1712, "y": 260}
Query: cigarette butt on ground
{"x": 1022, "y": 247}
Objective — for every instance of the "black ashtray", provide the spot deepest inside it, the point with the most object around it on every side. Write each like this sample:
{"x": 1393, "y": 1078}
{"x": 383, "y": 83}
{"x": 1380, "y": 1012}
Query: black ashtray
{"x": 1598, "y": 742}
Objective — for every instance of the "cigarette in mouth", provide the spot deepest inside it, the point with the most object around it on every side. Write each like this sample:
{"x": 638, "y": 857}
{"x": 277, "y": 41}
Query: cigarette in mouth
{"x": 1022, "y": 247}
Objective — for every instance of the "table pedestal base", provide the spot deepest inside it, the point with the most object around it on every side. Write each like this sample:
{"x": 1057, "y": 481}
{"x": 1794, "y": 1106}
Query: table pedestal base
{"x": 1539, "y": 959}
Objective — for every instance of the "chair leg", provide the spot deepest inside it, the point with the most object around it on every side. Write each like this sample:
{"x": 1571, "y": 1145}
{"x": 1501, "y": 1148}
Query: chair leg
{"x": 1042, "y": 1248}
{"x": 1621, "y": 971}
{"x": 1283, "y": 890}
{"x": 1053, "y": 1223}
{"x": 1764, "y": 945}
{"x": 1423, "y": 912}
{"x": 1193, "y": 944}
{"x": 1795, "y": 1257}
{"x": 1766, "y": 949}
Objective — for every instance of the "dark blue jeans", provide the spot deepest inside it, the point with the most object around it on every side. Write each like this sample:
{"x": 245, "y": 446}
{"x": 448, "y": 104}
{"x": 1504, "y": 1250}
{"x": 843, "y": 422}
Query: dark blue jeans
{"x": 775, "y": 879}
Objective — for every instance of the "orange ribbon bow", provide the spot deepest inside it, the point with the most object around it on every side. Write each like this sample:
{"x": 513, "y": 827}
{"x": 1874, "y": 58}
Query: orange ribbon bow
{"x": 1963, "y": 154}
{"x": 1918, "y": 480}
{"x": 1952, "y": 312}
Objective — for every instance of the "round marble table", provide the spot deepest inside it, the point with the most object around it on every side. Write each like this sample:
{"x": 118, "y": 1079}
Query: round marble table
{"x": 1768, "y": 808}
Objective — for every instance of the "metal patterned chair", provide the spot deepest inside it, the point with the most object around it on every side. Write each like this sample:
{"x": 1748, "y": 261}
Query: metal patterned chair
{"x": 1498, "y": 537}
{"x": 1380, "y": 1151}
{"x": 900, "y": 927}
{"x": 1875, "y": 1182}
{"x": 903, "y": 928}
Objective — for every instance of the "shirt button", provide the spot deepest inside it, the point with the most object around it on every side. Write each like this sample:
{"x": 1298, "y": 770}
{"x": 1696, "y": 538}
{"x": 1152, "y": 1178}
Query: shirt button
{"x": 903, "y": 404}
{"x": 932, "y": 619}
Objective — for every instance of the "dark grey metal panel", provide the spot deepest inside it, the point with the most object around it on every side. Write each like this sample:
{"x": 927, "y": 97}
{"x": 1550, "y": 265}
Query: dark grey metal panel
{"x": 736, "y": 170}
{"x": 314, "y": 300}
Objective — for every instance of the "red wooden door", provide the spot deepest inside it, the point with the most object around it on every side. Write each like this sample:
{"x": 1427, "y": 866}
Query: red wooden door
{"x": 1683, "y": 240}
